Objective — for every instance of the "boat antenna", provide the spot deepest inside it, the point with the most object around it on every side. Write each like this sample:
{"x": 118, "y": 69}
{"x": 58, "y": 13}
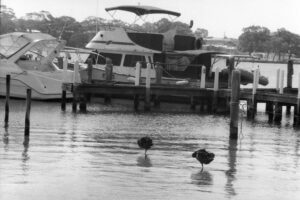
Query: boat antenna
{"x": 97, "y": 8}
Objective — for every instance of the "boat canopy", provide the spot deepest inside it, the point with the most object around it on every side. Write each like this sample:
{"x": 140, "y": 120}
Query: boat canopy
{"x": 143, "y": 10}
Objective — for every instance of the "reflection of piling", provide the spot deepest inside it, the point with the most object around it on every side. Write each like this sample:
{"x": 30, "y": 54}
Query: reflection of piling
{"x": 27, "y": 115}
{"x": 7, "y": 101}
{"x": 234, "y": 104}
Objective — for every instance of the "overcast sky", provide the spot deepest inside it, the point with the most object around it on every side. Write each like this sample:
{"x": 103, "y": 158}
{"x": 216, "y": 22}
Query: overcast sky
{"x": 219, "y": 17}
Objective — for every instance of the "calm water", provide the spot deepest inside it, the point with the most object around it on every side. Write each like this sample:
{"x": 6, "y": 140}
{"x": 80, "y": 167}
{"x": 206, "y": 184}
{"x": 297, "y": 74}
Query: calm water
{"x": 95, "y": 155}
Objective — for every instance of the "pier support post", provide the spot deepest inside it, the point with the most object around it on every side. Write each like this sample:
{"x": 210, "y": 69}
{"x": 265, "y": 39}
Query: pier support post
{"x": 90, "y": 70}
{"x": 108, "y": 70}
{"x": 216, "y": 89}
{"x": 297, "y": 106}
{"x": 158, "y": 73}
{"x": 230, "y": 64}
{"x": 74, "y": 103}
{"x": 27, "y": 114}
{"x": 289, "y": 80}
{"x": 203, "y": 76}
{"x": 193, "y": 103}
{"x": 82, "y": 103}
{"x": 234, "y": 104}
{"x": 252, "y": 104}
{"x": 270, "y": 111}
{"x": 63, "y": 100}
{"x": 137, "y": 74}
{"x": 147, "y": 105}
{"x": 136, "y": 101}
{"x": 6, "y": 118}
{"x": 278, "y": 112}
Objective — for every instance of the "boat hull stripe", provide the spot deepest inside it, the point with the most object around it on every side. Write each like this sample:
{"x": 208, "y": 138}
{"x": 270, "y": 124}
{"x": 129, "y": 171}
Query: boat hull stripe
{"x": 112, "y": 42}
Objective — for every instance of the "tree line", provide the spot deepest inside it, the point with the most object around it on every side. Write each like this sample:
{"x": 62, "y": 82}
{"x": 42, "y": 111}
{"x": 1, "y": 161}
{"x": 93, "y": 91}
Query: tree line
{"x": 78, "y": 34}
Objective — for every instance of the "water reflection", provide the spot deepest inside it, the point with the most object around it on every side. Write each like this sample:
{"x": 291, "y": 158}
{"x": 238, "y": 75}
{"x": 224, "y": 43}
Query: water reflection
{"x": 231, "y": 172}
{"x": 6, "y": 139}
{"x": 25, "y": 155}
{"x": 144, "y": 161}
{"x": 202, "y": 178}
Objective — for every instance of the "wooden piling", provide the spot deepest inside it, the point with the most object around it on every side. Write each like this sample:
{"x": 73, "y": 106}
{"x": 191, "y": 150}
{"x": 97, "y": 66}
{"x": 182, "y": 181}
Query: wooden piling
{"x": 147, "y": 94}
{"x": 108, "y": 70}
{"x": 216, "y": 89}
{"x": 203, "y": 75}
{"x": 277, "y": 79}
{"x": 76, "y": 77}
{"x": 137, "y": 74}
{"x": 270, "y": 111}
{"x": 158, "y": 73}
{"x": 27, "y": 114}
{"x": 290, "y": 72}
{"x": 278, "y": 112}
{"x": 74, "y": 103}
{"x": 281, "y": 83}
{"x": 90, "y": 70}
{"x": 63, "y": 100}
{"x": 297, "y": 106}
{"x": 230, "y": 64}
{"x": 6, "y": 118}
{"x": 136, "y": 101}
{"x": 193, "y": 103}
{"x": 252, "y": 104}
{"x": 82, "y": 104}
{"x": 234, "y": 104}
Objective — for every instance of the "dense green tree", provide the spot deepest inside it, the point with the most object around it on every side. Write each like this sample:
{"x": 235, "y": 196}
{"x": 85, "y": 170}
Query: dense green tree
{"x": 7, "y": 19}
{"x": 254, "y": 38}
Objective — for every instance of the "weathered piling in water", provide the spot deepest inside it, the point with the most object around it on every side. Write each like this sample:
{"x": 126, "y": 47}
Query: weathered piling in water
{"x": 27, "y": 114}
{"x": 158, "y": 73}
{"x": 147, "y": 105}
{"x": 297, "y": 106}
{"x": 216, "y": 89}
{"x": 108, "y": 70}
{"x": 270, "y": 110}
{"x": 64, "y": 80}
{"x": 90, "y": 70}
{"x": 234, "y": 104}
{"x": 230, "y": 64}
{"x": 108, "y": 77}
{"x": 137, "y": 74}
{"x": 203, "y": 76}
{"x": 277, "y": 79}
{"x": 252, "y": 104}
{"x": 6, "y": 118}
{"x": 75, "y": 82}
{"x": 158, "y": 76}
{"x": 192, "y": 103}
{"x": 289, "y": 80}
{"x": 278, "y": 106}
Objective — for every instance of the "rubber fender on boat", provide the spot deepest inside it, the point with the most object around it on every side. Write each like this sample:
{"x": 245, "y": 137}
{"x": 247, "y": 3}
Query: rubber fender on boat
{"x": 183, "y": 82}
{"x": 131, "y": 79}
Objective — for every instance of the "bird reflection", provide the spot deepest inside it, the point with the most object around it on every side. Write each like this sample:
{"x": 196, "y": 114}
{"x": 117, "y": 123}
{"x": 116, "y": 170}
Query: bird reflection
{"x": 143, "y": 161}
{"x": 202, "y": 178}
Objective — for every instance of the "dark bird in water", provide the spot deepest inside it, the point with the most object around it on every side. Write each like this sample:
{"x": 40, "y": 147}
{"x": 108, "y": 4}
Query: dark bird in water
{"x": 145, "y": 143}
{"x": 203, "y": 157}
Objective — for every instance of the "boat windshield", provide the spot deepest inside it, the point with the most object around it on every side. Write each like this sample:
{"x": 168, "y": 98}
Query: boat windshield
{"x": 39, "y": 57}
{"x": 10, "y": 44}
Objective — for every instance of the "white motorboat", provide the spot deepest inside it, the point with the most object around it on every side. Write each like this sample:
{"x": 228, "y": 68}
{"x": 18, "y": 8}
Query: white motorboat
{"x": 28, "y": 59}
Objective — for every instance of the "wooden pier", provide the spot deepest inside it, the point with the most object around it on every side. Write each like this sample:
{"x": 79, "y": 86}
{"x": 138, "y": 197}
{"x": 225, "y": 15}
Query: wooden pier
{"x": 209, "y": 100}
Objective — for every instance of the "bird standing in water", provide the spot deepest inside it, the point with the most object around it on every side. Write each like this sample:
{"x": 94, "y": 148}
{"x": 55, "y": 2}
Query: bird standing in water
{"x": 203, "y": 157}
{"x": 145, "y": 143}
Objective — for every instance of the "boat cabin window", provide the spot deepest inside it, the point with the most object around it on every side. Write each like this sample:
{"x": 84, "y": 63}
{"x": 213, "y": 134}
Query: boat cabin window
{"x": 11, "y": 44}
{"x": 116, "y": 58}
{"x": 131, "y": 60}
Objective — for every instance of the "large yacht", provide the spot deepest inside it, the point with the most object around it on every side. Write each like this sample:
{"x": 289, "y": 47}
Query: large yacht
{"x": 181, "y": 56}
